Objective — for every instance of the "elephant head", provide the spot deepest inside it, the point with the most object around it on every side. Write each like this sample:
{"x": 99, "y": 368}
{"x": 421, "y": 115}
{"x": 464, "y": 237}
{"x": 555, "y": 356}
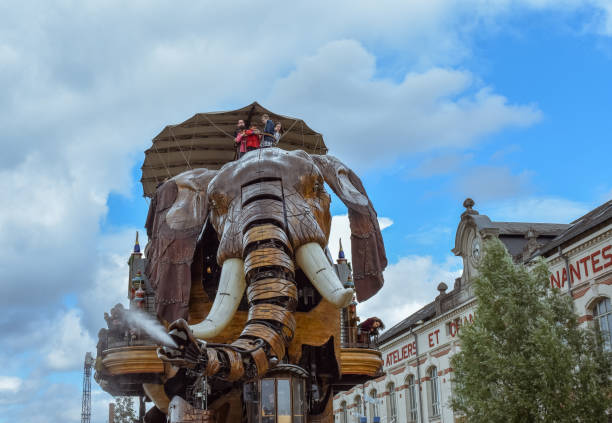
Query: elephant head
{"x": 268, "y": 213}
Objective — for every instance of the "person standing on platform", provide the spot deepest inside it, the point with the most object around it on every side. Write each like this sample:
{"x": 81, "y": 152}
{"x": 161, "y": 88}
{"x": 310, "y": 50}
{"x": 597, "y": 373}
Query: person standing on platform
{"x": 240, "y": 139}
{"x": 268, "y": 132}
{"x": 278, "y": 128}
{"x": 253, "y": 138}
{"x": 239, "y": 127}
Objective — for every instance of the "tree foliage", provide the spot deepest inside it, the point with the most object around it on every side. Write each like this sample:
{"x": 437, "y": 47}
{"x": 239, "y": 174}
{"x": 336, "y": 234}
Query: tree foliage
{"x": 525, "y": 359}
{"x": 124, "y": 410}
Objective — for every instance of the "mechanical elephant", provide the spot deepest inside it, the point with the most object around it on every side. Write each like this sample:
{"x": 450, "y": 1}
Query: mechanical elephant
{"x": 258, "y": 225}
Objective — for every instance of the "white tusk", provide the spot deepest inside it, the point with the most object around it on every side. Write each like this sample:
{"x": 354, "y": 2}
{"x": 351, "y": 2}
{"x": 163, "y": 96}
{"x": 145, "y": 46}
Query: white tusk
{"x": 311, "y": 259}
{"x": 158, "y": 395}
{"x": 229, "y": 294}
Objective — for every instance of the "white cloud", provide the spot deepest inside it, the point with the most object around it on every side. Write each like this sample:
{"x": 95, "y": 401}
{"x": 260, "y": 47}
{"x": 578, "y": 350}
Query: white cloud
{"x": 10, "y": 384}
{"x": 441, "y": 164}
{"x": 487, "y": 183}
{"x": 67, "y": 343}
{"x": 361, "y": 114}
{"x": 341, "y": 230}
{"x": 110, "y": 280}
{"x": 50, "y": 402}
{"x": 99, "y": 404}
{"x": 598, "y": 20}
{"x": 410, "y": 283}
{"x": 384, "y": 222}
{"x": 538, "y": 209}
{"x": 431, "y": 235}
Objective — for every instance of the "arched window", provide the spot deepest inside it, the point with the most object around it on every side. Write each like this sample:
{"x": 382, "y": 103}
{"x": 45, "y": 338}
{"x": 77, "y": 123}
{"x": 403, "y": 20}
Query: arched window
{"x": 602, "y": 313}
{"x": 412, "y": 412}
{"x": 391, "y": 404}
{"x": 358, "y": 408}
{"x": 433, "y": 392}
{"x": 373, "y": 404}
{"x": 343, "y": 412}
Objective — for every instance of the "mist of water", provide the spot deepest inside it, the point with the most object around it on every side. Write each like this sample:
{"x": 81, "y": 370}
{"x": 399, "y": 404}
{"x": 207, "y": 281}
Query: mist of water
{"x": 141, "y": 320}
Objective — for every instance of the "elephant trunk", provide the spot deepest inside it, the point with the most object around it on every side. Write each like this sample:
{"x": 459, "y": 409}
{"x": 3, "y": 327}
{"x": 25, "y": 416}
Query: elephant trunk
{"x": 272, "y": 297}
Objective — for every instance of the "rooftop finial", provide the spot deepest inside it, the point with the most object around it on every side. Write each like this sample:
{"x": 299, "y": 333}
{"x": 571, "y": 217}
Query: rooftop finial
{"x": 341, "y": 251}
{"x": 468, "y": 204}
{"x": 349, "y": 282}
{"x": 136, "y": 244}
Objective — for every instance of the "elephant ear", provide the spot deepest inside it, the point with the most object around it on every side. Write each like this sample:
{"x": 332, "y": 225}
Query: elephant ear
{"x": 368, "y": 249}
{"x": 176, "y": 217}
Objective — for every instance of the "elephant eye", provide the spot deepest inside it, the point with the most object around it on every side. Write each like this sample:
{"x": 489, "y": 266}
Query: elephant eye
{"x": 318, "y": 186}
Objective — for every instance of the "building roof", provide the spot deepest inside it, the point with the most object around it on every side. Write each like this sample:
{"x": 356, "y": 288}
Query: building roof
{"x": 590, "y": 220}
{"x": 423, "y": 314}
{"x": 207, "y": 140}
{"x": 521, "y": 228}
{"x": 520, "y": 238}
{"x": 518, "y": 228}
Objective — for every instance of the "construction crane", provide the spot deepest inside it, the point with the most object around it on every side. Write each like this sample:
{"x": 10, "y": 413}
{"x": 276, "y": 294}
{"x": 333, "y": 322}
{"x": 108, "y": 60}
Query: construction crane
{"x": 86, "y": 402}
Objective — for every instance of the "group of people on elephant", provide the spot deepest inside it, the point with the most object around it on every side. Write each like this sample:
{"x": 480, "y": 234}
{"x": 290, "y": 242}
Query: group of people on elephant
{"x": 254, "y": 138}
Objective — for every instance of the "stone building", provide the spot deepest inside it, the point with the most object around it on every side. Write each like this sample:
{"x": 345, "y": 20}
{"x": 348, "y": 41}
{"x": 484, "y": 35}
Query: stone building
{"x": 416, "y": 384}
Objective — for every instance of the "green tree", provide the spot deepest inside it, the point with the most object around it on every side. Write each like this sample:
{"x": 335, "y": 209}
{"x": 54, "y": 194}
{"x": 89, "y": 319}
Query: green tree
{"x": 124, "y": 410}
{"x": 525, "y": 359}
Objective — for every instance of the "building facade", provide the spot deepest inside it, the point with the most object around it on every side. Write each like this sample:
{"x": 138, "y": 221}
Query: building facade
{"x": 416, "y": 385}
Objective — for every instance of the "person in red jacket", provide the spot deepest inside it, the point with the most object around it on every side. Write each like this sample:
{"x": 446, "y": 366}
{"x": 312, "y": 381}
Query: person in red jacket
{"x": 248, "y": 140}
{"x": 240, "y": 139}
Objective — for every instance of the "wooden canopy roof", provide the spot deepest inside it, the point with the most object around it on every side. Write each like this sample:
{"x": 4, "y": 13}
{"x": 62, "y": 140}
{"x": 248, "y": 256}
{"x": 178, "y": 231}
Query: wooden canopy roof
{"x": 207, "y": 140}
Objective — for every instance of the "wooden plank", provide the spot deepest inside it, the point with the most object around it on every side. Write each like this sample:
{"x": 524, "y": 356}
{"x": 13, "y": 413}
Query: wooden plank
{"x": 266, "y": 232}
{"x": 265, "y": 289}
{"x": 274, "y": 313}
{"x": 268, "y": 189}
{"x": 267, "y": 257}
{"x": 270, "y": 336}
{"x": 262, "y": 210}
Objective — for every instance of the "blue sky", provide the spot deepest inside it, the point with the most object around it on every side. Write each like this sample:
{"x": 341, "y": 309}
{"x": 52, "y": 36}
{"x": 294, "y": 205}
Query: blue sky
{"x": 505, "y": 101}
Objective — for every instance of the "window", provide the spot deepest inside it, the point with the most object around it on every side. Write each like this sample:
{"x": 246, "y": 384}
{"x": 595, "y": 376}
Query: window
{"x": 412, "y": 412}
{"x": 279, "y": 399}
{"x": 268, "y": 401}
{"x": 299, "y": 402}
{"x": 343, "y": 413}
{"x": 391, "y": 404}
{"x": 358, "y": 408}
{"x": 602, "y": 313}
{"x": 373, "y": 404}
{"x": 433, "y": 392}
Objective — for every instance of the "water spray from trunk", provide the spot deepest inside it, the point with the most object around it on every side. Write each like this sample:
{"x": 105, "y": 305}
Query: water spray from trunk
{"x": 141, "y": 320}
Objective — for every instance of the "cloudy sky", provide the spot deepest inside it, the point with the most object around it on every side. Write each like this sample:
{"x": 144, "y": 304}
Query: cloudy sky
{"x": 429, "y": 101}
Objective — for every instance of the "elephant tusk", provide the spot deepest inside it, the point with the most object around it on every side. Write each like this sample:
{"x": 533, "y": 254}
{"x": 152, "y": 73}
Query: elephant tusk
{"x": 229, "y": 295}
{"x": 158, "y": 396}
{"x": 311, "y": 259}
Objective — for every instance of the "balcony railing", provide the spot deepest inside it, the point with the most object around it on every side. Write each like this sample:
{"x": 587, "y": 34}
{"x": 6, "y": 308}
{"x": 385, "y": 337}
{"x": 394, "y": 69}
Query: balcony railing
{"x": 354, "y": 337}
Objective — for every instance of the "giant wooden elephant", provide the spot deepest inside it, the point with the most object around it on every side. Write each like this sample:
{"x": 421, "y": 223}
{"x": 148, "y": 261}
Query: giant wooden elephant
{"x": 259, "y": 224}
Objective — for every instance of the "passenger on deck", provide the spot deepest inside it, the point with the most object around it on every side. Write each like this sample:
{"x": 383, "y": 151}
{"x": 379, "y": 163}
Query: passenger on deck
{"x": 240, "y": 139}
{"x": 253, "y": 138}
{"x": 268, "y": 132}
{"x": 278, "y": 128}
{"x": 239, "y": 127}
